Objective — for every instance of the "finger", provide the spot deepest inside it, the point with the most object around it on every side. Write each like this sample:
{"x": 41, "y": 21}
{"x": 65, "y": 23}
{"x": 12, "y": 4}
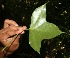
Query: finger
{"x": 14, "y": 45}
{"x": 4, "y": 34}
{"x": 13, "y": 48}
{"x": 11, "y": 32}
{"x": 3, "y": 37}
{"x": 24, "y": 28}
{"x": 8, "y": 29}
{"x": 8, "y": 22}
{"x": 21, "y": 30}
{"x": 5, "y": 41}
{"x": 18, "y": 29}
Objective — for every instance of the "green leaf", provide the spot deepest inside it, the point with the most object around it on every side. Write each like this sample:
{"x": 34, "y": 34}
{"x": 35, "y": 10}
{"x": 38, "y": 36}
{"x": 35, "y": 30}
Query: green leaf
{"x": 41, "y": 29}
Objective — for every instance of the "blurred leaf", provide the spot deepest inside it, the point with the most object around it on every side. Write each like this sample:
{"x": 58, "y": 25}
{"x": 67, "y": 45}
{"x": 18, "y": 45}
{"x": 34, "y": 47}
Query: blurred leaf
{"x": 41, "y": 29}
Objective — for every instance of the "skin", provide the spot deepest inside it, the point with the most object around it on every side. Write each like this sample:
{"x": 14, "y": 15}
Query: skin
{"x": 1, "y": 54}
{"x": 10, "y": 28}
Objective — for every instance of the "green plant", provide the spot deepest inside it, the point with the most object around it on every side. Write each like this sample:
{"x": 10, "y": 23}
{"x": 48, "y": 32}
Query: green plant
{"x": 40, "y": 29}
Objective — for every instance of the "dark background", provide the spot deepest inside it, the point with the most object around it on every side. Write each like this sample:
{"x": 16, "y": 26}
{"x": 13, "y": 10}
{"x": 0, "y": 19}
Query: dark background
{"x": 57, "y": 12}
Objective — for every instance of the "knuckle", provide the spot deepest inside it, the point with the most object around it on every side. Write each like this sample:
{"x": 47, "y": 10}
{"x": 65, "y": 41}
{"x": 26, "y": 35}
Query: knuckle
{"x": 9, "y": 28}
{"x": 6, "y": 20}
{"x": 11, "y": 33}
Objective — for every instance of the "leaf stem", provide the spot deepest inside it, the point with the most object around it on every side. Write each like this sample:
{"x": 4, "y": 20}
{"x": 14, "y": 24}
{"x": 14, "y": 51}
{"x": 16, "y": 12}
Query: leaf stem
{"x": 10, "y": 42}
{"x": 27, "y": 29}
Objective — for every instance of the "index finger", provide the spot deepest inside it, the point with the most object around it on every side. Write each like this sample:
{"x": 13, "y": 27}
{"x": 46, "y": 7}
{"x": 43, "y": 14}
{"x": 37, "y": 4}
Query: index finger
{"x": 8, "y": 22}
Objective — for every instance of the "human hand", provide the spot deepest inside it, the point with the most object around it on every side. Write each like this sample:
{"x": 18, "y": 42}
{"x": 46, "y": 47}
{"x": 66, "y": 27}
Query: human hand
{"x": 1, "y": 54}
{"x": 11, "y": 28}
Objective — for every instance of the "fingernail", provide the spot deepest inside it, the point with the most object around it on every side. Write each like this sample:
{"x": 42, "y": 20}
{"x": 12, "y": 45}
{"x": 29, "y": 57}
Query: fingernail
{"x": 22, "y": 32}
{"x": 16, "y": 25}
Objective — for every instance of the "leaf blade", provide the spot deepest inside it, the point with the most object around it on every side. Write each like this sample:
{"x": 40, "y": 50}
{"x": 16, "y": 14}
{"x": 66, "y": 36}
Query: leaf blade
{"x": 41, "y": 29}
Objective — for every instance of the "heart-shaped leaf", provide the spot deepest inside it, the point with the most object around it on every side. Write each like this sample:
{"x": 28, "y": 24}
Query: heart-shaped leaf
{"x": 41, "y": 29}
